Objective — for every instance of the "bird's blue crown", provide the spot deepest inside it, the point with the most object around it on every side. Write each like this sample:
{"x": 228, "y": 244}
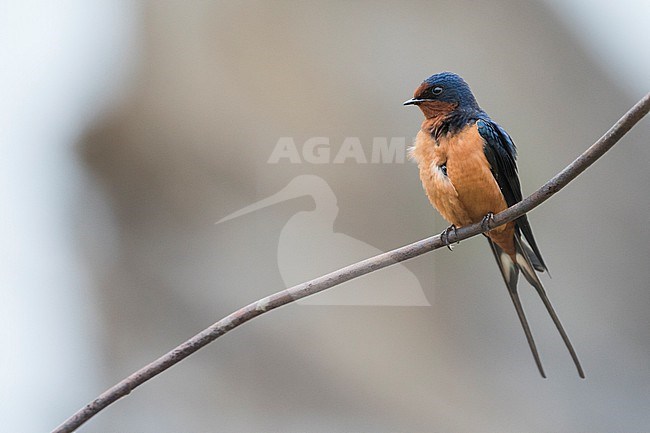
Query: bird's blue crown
{"x": 454, "y": 90}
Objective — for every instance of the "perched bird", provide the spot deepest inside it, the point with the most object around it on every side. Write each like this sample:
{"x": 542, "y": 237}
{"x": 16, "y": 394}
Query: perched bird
{"x": 468, "y": 169}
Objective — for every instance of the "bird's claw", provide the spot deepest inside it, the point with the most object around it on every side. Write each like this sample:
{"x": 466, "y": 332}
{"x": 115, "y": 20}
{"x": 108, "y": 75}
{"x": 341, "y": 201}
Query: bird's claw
{"x": 487, "y": 221}
{"x": 444, "y": 236}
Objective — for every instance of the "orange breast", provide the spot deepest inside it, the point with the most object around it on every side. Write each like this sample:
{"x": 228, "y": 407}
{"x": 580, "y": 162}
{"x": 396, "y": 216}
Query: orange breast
{"x": 468, "y": 191}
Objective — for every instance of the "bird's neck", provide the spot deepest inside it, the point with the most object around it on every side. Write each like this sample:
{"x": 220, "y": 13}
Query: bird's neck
{"x": 447, "y": 122}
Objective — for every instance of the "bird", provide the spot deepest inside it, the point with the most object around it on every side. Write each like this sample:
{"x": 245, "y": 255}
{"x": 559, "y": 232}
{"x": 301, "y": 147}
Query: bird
{"x": 467, "y": 165}
{"x": 309, "y": 246}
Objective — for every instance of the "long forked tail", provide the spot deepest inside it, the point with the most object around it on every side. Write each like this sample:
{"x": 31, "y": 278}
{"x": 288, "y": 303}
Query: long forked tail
{"x": 510, "y": 272}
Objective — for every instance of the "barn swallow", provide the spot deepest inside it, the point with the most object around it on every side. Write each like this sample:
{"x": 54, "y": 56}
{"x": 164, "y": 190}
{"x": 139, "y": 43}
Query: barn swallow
{"x": 468, "y": 169}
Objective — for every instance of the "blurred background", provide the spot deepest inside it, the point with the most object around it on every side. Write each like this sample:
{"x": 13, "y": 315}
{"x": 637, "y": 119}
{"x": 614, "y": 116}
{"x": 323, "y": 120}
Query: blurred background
{"x": 128, "y": 129}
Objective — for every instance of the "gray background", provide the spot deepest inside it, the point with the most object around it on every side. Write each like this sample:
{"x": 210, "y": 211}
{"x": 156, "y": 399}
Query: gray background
{"x": 131, "y": 128}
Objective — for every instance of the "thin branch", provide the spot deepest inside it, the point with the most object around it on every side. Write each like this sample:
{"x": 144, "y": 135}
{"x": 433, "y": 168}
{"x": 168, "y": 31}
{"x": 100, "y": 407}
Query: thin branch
{"x": 245, "y": 314}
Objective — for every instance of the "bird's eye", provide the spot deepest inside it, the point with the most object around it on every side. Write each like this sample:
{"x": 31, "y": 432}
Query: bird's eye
{"x": 436, "y": 90}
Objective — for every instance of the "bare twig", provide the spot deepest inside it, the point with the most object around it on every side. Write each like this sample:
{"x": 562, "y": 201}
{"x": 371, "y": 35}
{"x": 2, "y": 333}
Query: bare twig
{"x": 243, "y": 315}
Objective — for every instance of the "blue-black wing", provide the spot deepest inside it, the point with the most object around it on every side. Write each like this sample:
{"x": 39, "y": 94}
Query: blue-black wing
{"x": 501, "y": 153}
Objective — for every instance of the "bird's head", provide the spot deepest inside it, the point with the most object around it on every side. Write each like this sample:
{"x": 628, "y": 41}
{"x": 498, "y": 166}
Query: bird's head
{"x": 443, "y": 93}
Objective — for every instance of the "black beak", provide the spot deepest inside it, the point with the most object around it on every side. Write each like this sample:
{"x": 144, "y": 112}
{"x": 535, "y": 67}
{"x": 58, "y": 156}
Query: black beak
{"x": 415, "y": 101}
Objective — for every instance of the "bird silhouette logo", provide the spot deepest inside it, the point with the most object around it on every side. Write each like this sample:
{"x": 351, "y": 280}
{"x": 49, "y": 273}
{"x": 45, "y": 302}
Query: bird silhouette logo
{"x": 309, "y": 247}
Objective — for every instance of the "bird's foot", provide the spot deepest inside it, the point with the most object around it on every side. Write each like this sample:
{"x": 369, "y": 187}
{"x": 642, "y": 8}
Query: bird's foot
{"x": 444, "y": 236}
{"x": 487, "y": 221}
